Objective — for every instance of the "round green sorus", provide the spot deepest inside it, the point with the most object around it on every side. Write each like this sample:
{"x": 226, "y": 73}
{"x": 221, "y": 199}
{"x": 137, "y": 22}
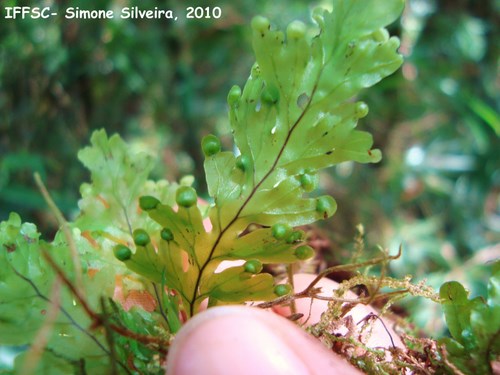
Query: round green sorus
{"x": 295, "y": 236}
{"x": 280, "y": 231}
{"x": 122, "y": 252}
{"x": 304, "y": 252}
{"x": 308, "y": 181}
{"x": 141, "y": 238}
{"x": 296, "y": 30}
{"x": 210, "y": 145}
{"x": 186, "y": 196}
{"x": 255, "y": 72}
{"x": 148, "y": 202}
{"x": 361, "y": 109}
{"x": 253, "y": 266}
{"x": 166, "y": 234}
{"x": 393, "y": 43}
{"x": 243, "y": 162}
{"x": 282, "y": 289}
{"x": 326, "y": 206}
{"x": 234, "y": 95}
{"x": 270, "y": 94}
{"x": 260, "y": 24}
{"x": 380, "y": 35}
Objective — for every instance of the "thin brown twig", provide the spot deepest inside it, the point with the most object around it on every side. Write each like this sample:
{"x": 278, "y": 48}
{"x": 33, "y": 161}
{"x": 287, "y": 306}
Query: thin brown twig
{"x": 289, "y": 271}
{"x": 70, "y": 285}
{"x": 353, "y": 266}
{"x": 363, "y": 300}
{"x": 110, "y": 340}
{"x": 98, "y": 320}
{"x": 383, "y": 272}
{"x": 63, "y": 310}
{"x": 372, "y": 315}
{"x": 42, "y": 337}
{"x": 312, "y": 292}
{"x": 67, "y": 233}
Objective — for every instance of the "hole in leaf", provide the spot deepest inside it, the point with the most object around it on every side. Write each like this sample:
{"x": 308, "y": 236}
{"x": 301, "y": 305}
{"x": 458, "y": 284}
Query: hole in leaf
{"x": 250, "y": 228}
{"x": 204, "y": 304}
{"x": 225, "y": 264}
{"x": 185, "y": 260}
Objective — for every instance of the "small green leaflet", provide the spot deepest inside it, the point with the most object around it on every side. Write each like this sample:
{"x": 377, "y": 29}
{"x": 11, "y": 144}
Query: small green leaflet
{"x": 474, "y": 325}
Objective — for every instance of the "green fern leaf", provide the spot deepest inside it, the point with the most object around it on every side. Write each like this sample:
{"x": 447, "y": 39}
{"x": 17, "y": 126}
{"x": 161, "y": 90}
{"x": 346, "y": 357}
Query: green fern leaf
{"x": 294, "y": 117}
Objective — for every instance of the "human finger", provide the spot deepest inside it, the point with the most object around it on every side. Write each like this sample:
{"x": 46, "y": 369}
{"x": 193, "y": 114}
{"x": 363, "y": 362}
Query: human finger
{"x": 244, "y": 340}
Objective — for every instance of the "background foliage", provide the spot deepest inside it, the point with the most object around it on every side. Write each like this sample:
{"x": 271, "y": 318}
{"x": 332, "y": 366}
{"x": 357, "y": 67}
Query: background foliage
{"x": 162, "y": 85}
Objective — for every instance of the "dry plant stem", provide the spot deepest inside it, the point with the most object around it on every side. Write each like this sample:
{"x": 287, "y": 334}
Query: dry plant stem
{"x": 290, "y": 273}
{"x": 374, "y": 293}
{"x": 413, "y": 366}
{"x": 370, "y": 316}
{"x": 363, "y": 300}
{"x": 67, "y": 233}
{"x": 68, "y": 316}
{"x": 110, "y": 340}
{"x": 98, "y": 320}
{"x": 42, "y": 337}
{"x": 312, "y": 292}
{"x": 353, "y": 266}
{"x": 419, "y": 289}
{"x": 65, "y": 313}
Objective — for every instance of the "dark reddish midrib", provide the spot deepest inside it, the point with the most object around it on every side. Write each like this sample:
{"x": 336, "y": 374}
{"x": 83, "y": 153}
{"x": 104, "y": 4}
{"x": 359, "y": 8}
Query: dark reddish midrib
{"x": 254, "y": 190}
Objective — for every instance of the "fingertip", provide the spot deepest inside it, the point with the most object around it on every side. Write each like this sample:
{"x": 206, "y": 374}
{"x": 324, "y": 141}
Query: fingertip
{"x": 244, "y": 340}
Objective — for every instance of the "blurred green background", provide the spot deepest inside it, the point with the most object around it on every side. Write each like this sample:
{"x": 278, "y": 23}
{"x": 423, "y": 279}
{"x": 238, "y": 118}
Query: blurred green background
{"x": 162, "y": 85}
